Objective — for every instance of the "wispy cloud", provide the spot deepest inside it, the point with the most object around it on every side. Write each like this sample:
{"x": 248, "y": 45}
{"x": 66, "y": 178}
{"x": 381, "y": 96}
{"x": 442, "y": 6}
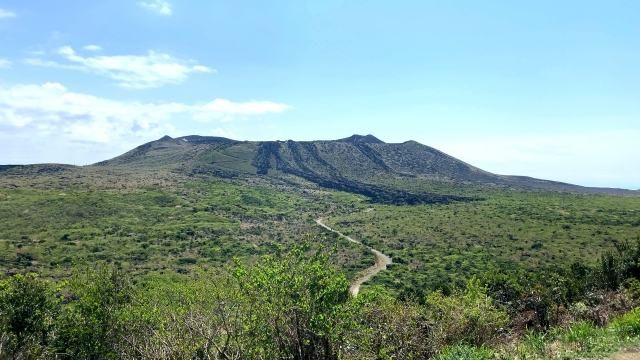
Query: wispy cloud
{"x": 161, "y": 7}
{"x": 247, "y": 108}
{"x": 93, "y": 47}
{"x": 51, "y": 109}
{"x": 131, "y": 71}
{"x": 4, "y": 13}
{"x": 4, "y": 63}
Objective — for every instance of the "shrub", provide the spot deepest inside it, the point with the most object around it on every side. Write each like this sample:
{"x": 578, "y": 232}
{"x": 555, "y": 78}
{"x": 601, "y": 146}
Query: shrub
{"x": 89, "y": 326}
{"x": 200, "y": 318}
{"x": 389, "y": 329}
{"x": 28, "y": 308}
{"x": 469, "y": 317}
{"x": 186, "y": 261}
{"x": 300, "y": 306}
{"x": 624, "y": 263}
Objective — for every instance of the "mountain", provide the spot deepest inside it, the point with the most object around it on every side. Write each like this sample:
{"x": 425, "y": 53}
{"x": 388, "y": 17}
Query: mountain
{"x": 384, "y": 172}
{"x": 359, "y": 164}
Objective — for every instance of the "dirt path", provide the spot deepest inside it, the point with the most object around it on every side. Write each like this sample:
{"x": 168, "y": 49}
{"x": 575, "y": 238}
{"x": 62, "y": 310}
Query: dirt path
{"x": 631, "y": 354}
{"x": 381, "y": 263}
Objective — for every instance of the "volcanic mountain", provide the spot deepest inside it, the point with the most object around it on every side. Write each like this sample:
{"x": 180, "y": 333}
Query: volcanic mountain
{"x": 358, "y": 164}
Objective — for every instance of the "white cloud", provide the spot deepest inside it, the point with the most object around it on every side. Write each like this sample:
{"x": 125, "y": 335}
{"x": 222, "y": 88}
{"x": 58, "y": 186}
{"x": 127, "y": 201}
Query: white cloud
{"x": 4, "y": 63}
{"x": 93, "y": 47}
{"x": 49, "y": 63}
{"x": 161, "y": 7}
{"x": 51, "y": 109}
{"x": 251, "y": 107}
{"x": 131, "y": 71}
{"x": 4, "y": 13}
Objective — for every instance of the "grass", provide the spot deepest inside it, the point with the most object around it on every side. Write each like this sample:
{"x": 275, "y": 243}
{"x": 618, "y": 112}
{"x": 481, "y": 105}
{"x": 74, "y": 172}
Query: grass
{"x": 464, "y": 352}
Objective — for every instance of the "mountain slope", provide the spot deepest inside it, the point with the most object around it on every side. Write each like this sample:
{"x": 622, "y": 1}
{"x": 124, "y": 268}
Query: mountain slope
{"x": 356, "y": 164}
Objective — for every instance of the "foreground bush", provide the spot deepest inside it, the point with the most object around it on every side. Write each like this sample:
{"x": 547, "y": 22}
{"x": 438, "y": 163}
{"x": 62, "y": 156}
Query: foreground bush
{"x": 201, "y": 318}
{"x": 28, "y": 309}
{"x": 294, "y": 306}
{"x": 469, "y": 317}
{"x": 89, "y": 326}
{"x": 302, "y": 307}
{"x": 389, "y": 329}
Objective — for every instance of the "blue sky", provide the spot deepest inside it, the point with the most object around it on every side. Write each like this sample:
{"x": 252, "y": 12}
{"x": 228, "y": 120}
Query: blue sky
{"x": 548, "y": 89}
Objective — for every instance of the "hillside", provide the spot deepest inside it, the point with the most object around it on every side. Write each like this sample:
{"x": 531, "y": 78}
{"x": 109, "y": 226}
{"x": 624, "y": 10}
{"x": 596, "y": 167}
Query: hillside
{"x": 358, "y": 164}
{"x": 384, "y": 172}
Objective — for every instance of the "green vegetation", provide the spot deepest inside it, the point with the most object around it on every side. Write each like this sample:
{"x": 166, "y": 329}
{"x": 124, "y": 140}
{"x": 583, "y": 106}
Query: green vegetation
{"x": 295, "y": 307}
{"x": 154, "y": 229}
{"x": 439, "y": 247}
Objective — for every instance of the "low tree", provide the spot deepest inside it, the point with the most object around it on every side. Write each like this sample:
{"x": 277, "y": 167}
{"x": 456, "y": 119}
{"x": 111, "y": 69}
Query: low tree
{"x": 388, "y": 328}
{"x": 299, "y": 306}
{"x": 201, "y": 317}
{"x": 28, "y": 309}
{"x": 468, "y": 316}
{"x": 89, "y": 326}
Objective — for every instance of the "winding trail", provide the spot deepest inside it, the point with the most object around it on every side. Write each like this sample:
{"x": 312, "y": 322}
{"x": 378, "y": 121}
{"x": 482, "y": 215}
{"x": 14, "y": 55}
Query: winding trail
{"x": 381, "y": 263}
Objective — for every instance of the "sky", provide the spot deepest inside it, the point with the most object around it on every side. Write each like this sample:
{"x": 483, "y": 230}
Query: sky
{"x": 549, "y": 89}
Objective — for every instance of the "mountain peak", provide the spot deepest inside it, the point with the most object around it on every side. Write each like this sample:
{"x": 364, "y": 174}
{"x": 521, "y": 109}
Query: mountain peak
{"x": 360, "y": 139}
{"x": 165, "y": 138}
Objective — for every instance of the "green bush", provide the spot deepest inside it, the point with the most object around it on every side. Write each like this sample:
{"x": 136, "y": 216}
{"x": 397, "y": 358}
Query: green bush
{"x": 469, "y": 317}
{"x": 389, "y": 329}
{"x": 28, "y": 309}
{"x": 200, "y": 317}
{"x": 300, "y": 306}
{"x": 89, "y": 324}
{"x": 295, "y": 306}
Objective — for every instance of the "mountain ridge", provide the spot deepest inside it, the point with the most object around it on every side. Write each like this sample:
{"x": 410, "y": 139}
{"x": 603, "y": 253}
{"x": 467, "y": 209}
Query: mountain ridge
{"x": 357, "y": 157}
{"x": 361, "y": 164}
